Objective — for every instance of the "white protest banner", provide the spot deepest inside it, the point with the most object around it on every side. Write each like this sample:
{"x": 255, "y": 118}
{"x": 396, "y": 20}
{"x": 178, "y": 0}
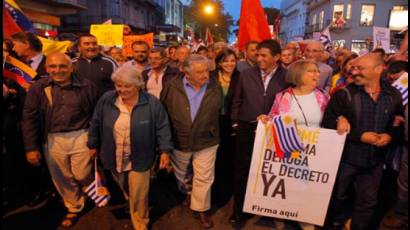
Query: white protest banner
{"x": 381, "y": 38}
{"x": 298, "y": 187}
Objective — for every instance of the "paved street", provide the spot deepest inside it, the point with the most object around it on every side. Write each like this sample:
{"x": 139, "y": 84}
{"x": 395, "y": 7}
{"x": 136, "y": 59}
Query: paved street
{"x": 166, "y": 214}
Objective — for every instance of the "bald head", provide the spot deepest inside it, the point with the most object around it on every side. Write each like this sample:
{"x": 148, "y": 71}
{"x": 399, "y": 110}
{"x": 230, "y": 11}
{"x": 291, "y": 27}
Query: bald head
{"x": 371, "y": 59}
{"x": 367, "y": 69}
{"x": 59, "y": 68}
{"x": 58, "y": 55}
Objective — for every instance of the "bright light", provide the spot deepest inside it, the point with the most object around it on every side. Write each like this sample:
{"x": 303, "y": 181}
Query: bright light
{"x": 216, "y": 25}
{"x": 209, "y": 9}
{"x": 398, "y": 19}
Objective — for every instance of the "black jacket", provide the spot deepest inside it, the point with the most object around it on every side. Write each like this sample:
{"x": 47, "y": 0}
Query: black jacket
{"x": 250, "y": 99}
{"x": 98, "y": 71}
{"x": 347, "y": 102}
{"x": 231, "y": 90}
{"x": 203, "y": 132}
{"x": 37, "y": 110}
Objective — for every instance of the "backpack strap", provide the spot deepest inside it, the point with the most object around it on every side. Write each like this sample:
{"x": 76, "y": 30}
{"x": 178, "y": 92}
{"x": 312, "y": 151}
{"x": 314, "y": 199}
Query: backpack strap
{"x": 47, "y": 91}
{"x": 354, "y": 101}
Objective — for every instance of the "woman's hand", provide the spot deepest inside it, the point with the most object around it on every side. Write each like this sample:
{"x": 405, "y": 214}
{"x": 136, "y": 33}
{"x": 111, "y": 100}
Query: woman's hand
{"x": 263, "y": 118}
{"x": 343, "y": 125}
{"x": 164, "y": 161}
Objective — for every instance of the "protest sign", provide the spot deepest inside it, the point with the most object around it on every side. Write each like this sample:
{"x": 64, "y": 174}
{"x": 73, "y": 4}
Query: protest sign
{"x": 129, "y": 39}
{"x": 108, "y": 35}
{"x": 298, "y": 187}
{"x": 381, "y": 38}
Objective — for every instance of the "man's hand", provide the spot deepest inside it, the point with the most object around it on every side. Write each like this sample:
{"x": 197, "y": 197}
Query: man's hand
{"x": 398, "y": 120}
{"x": 369, "y": 138}
{"x": 93, "y": 153}
{"x": 164, "y": 161}
{"x": 343, "y": 125}
{"x": 384, "y": 139}
{"x": 34, "y": 157}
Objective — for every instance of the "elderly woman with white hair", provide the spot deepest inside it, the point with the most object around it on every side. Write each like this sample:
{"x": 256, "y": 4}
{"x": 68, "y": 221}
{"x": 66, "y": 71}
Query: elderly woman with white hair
{"x": 128, "y": 128}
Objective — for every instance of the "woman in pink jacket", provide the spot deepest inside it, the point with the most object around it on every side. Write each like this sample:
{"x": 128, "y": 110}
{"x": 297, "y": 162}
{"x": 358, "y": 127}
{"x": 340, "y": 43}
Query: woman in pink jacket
{"x": 304, "y": 102}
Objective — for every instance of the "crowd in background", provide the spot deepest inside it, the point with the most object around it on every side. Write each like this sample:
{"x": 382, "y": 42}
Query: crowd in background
{"x": 180, "y": 110}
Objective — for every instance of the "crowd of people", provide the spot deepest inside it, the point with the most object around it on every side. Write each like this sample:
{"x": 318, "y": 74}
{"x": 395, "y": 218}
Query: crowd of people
{"x": 179, "y": 109}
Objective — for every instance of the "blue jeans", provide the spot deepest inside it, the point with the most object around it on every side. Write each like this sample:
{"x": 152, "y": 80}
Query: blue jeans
{"x": 366, "y": 182}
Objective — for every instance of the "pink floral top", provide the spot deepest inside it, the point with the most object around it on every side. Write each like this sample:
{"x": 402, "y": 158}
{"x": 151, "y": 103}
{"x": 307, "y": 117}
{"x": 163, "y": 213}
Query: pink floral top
{"x": 282, "y": 103}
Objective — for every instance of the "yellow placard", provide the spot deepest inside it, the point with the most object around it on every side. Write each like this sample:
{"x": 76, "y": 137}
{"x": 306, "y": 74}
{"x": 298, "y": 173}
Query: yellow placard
{"x": 129, "y": 39}
{"x": 108, "y": 35}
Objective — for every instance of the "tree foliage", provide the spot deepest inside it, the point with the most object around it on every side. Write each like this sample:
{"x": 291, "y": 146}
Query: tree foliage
{"x": 195, "y": 17}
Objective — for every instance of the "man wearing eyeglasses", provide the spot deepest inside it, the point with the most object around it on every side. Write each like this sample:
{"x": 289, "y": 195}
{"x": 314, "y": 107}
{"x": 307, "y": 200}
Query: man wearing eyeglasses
{"x": 314, "y": 51}
{"x": 373, "y": 108}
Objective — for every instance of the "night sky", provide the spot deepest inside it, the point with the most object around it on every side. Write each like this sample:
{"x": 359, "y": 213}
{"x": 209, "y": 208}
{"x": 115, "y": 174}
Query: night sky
{"x": 234, "y": 8}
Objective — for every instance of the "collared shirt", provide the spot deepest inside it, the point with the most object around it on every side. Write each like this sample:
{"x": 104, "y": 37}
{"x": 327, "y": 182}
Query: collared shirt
{"x": 35, "y": 61}
{"x": 154, "y": 83}
{"x": 122, "y": 137}
{"x": 68, "y": 112}
{"x": 374, "y": 117}
{"x": 194, "y": 97}
{"x": 133, "y": 63}
{"x": 268, "y": 77}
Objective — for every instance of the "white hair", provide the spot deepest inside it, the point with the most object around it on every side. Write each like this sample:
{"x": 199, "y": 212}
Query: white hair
{"x": 195, "y": 59}
{"x": 130, "y": 75}
{"x": 313, "y": 42}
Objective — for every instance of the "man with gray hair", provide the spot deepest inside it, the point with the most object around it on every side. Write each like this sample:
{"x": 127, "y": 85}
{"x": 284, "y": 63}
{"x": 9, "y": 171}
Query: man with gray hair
{"x": 314, "y": 51}
{"x": 55, "y": 120}
{"x": 193, "y": 103}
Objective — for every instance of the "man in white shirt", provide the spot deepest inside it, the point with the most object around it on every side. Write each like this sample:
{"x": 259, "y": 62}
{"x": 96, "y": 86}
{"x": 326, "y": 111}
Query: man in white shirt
{"x": 29, "y": 50}
{"x": 159, "y": 74}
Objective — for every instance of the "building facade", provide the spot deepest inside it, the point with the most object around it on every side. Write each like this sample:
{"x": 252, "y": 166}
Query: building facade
{"x": 141, "y": 15}
{"x": 295, "y": 15}
{"x": 352, "y": 21}
{"x": 46, "y": 14}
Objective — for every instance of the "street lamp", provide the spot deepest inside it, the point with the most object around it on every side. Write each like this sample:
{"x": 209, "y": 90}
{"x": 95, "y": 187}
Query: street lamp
{"x": 209, "y": 9}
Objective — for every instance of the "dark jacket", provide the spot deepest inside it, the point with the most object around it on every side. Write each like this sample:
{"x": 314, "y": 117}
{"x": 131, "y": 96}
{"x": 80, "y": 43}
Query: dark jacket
{"x": 203, "y": 132}
{"x": 37, "y": 110}
{"x": 149, "y": 131}
{"x": 346, "y": 102}
{"x": 169, "y": 74}
{"x": 250, "y": 100}
{"x": 231, "y": 90}
{"x": 98, "y": 71}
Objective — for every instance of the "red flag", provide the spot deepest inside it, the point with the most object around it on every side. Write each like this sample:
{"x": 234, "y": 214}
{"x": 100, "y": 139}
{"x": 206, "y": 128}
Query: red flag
{"x": 10, "y": 27}
{"x": 208, "y": 37}
{"x": 253, "y": 25}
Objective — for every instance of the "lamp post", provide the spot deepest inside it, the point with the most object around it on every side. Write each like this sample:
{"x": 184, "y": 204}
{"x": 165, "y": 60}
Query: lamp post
{"x": 209, "y": 11}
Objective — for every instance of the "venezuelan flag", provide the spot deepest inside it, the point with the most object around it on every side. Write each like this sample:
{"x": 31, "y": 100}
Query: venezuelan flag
{"x": 13, "y": 11}
{"x": 18, "y": 71}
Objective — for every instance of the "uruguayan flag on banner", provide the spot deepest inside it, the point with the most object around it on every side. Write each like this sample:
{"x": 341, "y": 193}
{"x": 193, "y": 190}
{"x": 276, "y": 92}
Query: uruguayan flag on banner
{"x": 285, "y": 136}
{"x": 402, "y": 84}
{"x": 97, "y": 191}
